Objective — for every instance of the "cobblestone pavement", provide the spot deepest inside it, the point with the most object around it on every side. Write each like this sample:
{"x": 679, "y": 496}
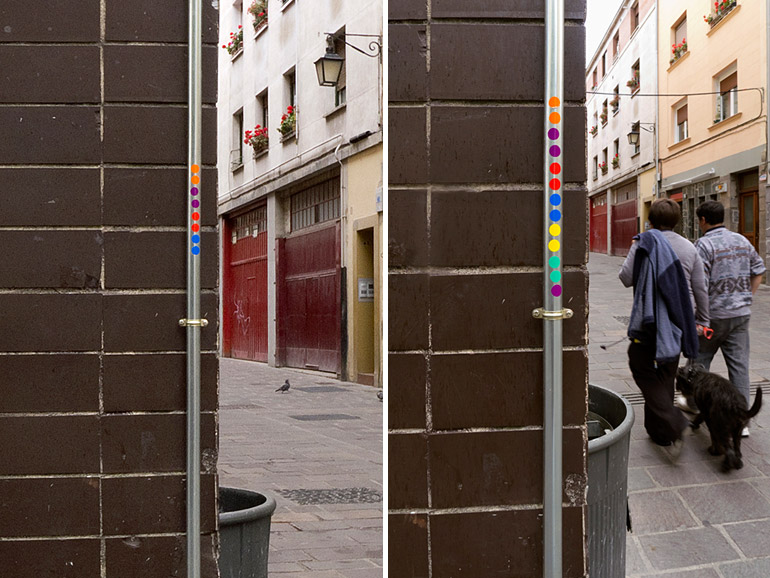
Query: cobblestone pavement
{"x": 317, "y": 450}
{"x": 689, "y": 519}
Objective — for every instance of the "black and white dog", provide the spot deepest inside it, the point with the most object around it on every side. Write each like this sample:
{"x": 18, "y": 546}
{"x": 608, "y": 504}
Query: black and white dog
{"x": 721, "y": 407}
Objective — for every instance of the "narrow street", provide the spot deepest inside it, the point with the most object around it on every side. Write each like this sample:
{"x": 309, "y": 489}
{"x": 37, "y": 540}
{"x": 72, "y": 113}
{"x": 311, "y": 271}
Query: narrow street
{"x": 690, "y": 518}
{"x": 317, "y": 450}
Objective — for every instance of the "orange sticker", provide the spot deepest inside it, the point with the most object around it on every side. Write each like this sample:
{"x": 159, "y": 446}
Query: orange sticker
{"x": 195, "y": 180}
{"x": 554, "y": 117}
{"x": 195, "y": 168}
{"x": 554, "y": 101}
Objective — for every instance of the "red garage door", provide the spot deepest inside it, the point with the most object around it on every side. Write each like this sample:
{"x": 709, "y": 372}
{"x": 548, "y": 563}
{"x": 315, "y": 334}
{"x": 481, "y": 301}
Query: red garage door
{"x": 309, "y": 299}
{"x": 599, "y": 223}
{"x": 624, "y": 219}
{"x": 244, "y": 291}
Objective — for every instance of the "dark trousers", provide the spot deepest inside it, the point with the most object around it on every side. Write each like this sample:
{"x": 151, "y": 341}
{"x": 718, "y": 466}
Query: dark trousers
{"x": 664, "y": 422}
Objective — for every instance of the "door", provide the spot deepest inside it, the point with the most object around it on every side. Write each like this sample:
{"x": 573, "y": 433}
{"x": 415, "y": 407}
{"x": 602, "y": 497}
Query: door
{"x": 749, "y": 209}
{"x": 625, "y": 219}
{"x": 309, "y": 299}
{"x": 244, "y": 291}
{"x": 598, "y": 226}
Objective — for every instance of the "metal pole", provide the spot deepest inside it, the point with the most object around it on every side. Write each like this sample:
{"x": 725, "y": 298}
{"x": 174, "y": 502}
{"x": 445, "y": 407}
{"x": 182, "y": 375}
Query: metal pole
{"x": 193, "y": 322}
{"x": 552, "y": 281}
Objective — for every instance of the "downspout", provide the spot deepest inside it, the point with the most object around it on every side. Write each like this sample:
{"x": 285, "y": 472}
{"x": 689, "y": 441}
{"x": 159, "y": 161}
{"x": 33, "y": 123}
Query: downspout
{"x": 552, "y": 312}
{"x": 193, "y": 322}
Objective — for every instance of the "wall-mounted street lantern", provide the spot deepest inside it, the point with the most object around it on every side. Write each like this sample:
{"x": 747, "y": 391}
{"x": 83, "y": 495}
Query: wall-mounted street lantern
{"x": 633, "y": 136}
{"x": 329, "y": 66}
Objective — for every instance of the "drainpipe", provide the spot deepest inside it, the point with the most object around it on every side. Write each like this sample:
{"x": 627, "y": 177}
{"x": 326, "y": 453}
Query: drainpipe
{"x": 193, "y": 322}
{"x": 656, "y": 134}
{"x": 552, "y": 312}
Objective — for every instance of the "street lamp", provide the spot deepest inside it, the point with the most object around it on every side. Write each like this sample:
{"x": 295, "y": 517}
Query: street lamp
{"x": 633, "y": 136}
{"x": 329, "y": 66}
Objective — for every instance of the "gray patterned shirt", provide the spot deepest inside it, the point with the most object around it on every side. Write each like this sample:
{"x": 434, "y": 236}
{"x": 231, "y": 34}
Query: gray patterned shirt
{"x": 730, "y": 261}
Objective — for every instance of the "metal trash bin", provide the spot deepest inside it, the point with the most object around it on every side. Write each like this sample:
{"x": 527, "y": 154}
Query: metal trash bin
{"x": 244, "y": 533}
{"x": 608, "y": 483}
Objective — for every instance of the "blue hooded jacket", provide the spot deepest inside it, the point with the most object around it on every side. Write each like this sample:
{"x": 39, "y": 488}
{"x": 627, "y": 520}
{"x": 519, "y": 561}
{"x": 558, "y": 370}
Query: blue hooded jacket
{"x": 662, "y": 309}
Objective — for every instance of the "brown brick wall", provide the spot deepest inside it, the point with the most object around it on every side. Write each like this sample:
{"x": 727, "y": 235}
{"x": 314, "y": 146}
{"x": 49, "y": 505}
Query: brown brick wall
{"x": 93, "y": 205}
{"x": 465, "y": 250}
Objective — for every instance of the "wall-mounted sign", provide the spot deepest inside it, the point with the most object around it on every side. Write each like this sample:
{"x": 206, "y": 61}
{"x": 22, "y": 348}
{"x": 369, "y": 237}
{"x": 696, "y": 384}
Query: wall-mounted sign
{"x": 365, "y": 289}
{"x": 720, "y": 188}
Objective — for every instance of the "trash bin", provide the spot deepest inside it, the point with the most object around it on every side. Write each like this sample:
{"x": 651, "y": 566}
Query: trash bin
{"x": 244, "y": 533}
{"x": 613, "y": 417}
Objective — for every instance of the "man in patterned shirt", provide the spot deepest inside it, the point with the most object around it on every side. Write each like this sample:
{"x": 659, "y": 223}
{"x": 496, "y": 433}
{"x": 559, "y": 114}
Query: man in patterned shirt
{"x": 734, "y": 271}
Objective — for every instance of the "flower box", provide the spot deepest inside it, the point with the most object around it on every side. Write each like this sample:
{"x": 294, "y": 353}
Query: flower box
{"x": 236, "y": 42}
{"x": 288, "y": 122}
{"x": 603, "y": 167}
{"x": 615, "y": 161}
{"x": 603, "y": 118}
{"x": 721, "y": 9}
{"x": 258, "y": 10}
{"x": 258, "y": 139}
{"x": 678, "y": 50}
{"x": 594, "y": 130}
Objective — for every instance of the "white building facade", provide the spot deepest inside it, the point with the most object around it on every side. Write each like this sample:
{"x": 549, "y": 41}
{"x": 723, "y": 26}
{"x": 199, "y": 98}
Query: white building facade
{"x": 621, "y": 84}
{"x": 302, "y": 209}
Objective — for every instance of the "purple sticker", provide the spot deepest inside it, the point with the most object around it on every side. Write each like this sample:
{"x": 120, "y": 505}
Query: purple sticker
{"x": 194, "y": 191}
{"x": 553, "y": 134}
{"x": 555, "y": 151}
{"x": 196, "y": 203}
{"x": 556, "y": 290}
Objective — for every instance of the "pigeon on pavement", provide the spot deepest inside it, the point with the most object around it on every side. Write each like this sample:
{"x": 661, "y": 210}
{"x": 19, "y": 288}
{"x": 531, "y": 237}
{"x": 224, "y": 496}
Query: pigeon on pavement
{"x": 284, "y": 387}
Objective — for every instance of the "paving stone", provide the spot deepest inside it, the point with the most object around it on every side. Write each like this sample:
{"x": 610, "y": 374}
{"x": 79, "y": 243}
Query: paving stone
{"x": 751, "y": 537}
{"x": 699, "y": 573}
{"x": 659, "y": 511}
{"x": 634, "y": 561}
{"x": 700, "y": 545}
{"x": 728, "y": 502}
{"x": 747, "y": 569}
{"x": 639, "y": 479}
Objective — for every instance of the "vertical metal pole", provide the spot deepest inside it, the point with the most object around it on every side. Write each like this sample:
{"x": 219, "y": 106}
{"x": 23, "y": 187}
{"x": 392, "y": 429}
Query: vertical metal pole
{"x": 193, "y": 291}
{"x": 552, "y": 332}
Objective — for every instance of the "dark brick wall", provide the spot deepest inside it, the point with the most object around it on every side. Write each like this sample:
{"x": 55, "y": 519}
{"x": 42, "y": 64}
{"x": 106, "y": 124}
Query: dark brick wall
{"x": 465, "y": 249}
{"x": 93, "y": 205}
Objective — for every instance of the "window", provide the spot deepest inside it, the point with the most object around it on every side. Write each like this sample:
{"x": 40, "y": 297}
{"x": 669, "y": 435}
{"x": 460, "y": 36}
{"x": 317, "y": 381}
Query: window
{"x": 596, "y": 81}
{"x": 250, "y": 224}
{"x": 315, "y": 205}
{"x": 681, "y": 131}
{"x": 262, "y": 110}
{"x": 635, "y": 128}
{"x": 679, "y": 39}
{"x": 236, "y": 152}
{"x": 604, "y": 64}
{"x": 616, "y": 46}
{"x": 634, "y": 17}
{"x": 603, "y": 115}
{"x": 727, "y": 101}
{"x": 340, "y": 92}
{"x": 290, "y": 79}
{"x": 288, "y": 122}
{"x": 635, "y": 81}
{"x": 616, "y": 153}
{"x": 596, "y": 168}
{"x": 615, "y": 102}
{"x": 603, "y": 166}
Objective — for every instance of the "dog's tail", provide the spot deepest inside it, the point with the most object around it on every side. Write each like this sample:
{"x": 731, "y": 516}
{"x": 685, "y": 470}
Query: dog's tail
{"x": 757, "y": 403}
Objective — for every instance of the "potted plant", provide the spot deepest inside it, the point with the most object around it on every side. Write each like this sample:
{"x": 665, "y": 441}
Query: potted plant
{"x": 258, "y": 139}
{"x": 594, "y": 130}
{"x": 616, "y": 161}
{"x": 603, "y": 117}
{"x": 633, "y": 84}
{"x": 678, "y": 50}
{"x": 720, "y": 10}
{"x": 258, "y": 10}
{"x": 615, "y": 103}
{"x": 288, "y": 122}
{"x": 603, "y": 167}
{"x": 236, "y": 42}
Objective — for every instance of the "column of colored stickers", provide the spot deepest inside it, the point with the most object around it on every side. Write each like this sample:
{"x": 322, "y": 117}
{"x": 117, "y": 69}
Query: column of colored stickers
{"x": 195, "y": 203}
{"x": 554, "y": 230}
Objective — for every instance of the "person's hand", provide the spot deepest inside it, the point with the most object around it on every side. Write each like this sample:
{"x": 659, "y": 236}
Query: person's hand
{"x": 699, "y": 329}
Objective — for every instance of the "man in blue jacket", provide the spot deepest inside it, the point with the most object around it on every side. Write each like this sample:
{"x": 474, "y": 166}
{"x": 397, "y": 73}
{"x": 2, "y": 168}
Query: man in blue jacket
{"x": 662, "y": 323}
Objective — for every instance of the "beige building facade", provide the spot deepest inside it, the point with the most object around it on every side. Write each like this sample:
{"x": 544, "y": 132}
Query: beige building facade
{"x": 712, "y": 113}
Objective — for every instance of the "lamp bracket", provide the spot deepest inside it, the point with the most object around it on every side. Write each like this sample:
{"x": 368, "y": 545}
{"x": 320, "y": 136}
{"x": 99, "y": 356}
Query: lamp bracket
{"x": 375, "y": 46}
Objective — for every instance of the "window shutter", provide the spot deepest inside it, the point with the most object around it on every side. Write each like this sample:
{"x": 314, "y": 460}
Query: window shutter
{"x": 729, "y": 83}
{"x": 681, "y": 114}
